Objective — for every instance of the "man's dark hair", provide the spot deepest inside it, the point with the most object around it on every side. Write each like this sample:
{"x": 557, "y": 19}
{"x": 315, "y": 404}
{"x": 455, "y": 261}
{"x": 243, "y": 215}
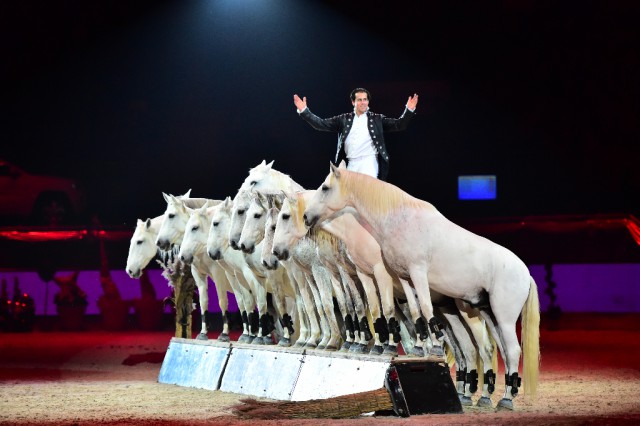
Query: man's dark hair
{"x": 358, "y": 90}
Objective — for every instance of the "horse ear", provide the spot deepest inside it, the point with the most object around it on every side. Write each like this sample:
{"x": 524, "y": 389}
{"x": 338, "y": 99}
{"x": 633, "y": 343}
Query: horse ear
{"x": 186, "y": 194}
{"x": 270, "y": 164}
{"x": 342, "y": 165}
{"x": 335, "y": 170}
{"x": 264, "y": 163}
{"x": 228, "y": 203}
{"x": 166, "y": 197}
{"x": 148, "y": 223}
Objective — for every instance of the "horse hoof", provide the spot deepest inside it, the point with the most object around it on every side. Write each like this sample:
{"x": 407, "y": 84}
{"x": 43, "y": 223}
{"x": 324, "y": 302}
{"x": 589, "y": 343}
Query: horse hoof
{"x": 465, "y": 401}
{"x": 436, "y": 351}
{"x": 505, "y": 404}
{"x": 331, "y": 348}
{"x": 417, "y": 351}
{"x": 223, "y": 337}
{"x": 299, "y": 344}
{"x": 202, "y": 336}
{"x": 485, "y": 402}
{"x": 345, "y": 346}
{"x": 257, "y": 340}
{"x": 376, "y": 350}
{"x": 391, "y": 350}
{"x": 284, "y": 342}
{"x": 310, "y": 345}
{"x": 267, "y": 340}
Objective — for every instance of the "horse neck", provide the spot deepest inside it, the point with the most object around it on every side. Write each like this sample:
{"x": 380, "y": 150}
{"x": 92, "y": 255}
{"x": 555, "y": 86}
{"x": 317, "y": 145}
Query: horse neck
{"x": 284, "y": 182}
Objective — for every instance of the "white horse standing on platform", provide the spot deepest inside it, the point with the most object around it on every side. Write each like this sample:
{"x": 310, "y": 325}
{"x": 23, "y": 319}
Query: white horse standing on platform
{"x": 421, "y": 245}
{"x": 170, "y": 236}
{"x": 366, "y": 254}
{"x": 193, "y": 251}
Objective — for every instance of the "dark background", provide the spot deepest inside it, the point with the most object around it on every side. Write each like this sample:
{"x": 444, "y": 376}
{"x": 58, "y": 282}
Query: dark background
{"x": 136, "y": 98}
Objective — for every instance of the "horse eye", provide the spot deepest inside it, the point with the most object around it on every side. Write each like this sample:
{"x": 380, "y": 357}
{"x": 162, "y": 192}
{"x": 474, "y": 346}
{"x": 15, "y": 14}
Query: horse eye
{"x": 286, "y": 216}
{"x": 324, "y": 188}
{"x": 195, "y": 228}
{"x": 253, "y": 182}
{"x": 257, "y": 216}
{"x": 172, "y": 215}
{"x": 139, "y": 242}
{"x": 240, "y": 212}
{"x": 215, "y": 223}
{"x": 273, "y": 227}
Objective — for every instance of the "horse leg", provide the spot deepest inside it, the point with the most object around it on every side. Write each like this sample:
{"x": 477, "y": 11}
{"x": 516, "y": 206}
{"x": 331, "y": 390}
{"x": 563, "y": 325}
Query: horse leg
{"x": 419, "y": 276}
{"x": 318, "y": 311}
{"x": 486, "y": 351}
{"x": 201, "y": 283}
{"x": 418, "y": 321}
{"x": 286, "y": 322}
{"x": 356, "y": 306}
{"x": 222, "y": 285}
{"x": 385, "y": 288}
{"x": 323, "y": 278}
{"x": 247, "y": 297}
{"x": 311, "y": 338}
{"x": 467, "y": 348}
{"x": 374, "y": 308}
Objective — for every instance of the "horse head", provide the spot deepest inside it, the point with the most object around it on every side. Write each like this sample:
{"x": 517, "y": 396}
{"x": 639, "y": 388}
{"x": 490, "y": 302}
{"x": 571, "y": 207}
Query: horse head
{"x": 142, "y": 247}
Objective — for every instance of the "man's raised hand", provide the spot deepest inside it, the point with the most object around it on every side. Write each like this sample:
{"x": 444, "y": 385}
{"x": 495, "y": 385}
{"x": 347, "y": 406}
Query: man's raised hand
{"x": 412, "y": 102}
{"x": 300, "y": 103}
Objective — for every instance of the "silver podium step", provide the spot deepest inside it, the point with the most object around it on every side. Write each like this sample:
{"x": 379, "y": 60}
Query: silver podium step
{"x": 293, "y": 374}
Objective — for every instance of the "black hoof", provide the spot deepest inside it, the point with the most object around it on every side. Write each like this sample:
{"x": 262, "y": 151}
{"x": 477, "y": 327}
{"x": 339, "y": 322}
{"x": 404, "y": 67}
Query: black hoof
{"x": 376, "y": 350}
{"x": 436, "y": 351}
{"x": 417, "y": 351}
{"x": 267, "y": 340}
{"x": 310, "y": 345}
{"x": 391, "y": 350}
{"x": 244, "y": 338}
{"x": 257, "y": 341}
{"x": 345, "y": 346}
{"x": 223, "y": 337}
{"x": 485, "y": 402}
{"x": 284, "y": 342}
{"x": 465, "y": 401}
{"x": 505, "y": 404}
{"x": 202, "y": 336}
{"x": 358, "y": 348}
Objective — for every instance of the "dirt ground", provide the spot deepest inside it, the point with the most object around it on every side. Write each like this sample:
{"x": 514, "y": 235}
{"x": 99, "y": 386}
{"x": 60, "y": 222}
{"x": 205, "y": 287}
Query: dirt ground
{"x": 587, "y": 377}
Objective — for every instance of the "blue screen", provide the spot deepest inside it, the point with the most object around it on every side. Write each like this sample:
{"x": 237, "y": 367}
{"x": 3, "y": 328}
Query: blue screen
{"x": 478, "y": 187}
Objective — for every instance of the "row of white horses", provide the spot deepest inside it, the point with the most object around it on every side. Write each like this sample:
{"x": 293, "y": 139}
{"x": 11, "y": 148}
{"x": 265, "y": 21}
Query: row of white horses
{"x": 355, "y": 251}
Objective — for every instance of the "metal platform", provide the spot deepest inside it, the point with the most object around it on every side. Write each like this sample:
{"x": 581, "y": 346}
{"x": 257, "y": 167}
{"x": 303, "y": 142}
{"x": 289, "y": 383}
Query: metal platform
{"x": 417, "y": 385}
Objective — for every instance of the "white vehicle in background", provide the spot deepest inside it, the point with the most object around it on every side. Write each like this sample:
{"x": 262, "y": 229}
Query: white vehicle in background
{"x": 40, "y": 200}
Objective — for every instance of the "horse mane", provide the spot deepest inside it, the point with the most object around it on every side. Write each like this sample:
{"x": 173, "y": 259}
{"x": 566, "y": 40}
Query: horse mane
{"x": 318, "y": 235}
{"x": 377, "y": 197}
{"x": 284, "y": 179}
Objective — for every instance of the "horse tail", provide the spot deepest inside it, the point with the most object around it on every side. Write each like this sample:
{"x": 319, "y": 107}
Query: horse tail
{"x": 531, "y": 340}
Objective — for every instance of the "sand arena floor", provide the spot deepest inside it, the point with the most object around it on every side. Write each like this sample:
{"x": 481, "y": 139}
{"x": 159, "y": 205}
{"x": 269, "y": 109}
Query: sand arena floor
{"x": 587, "y": 377}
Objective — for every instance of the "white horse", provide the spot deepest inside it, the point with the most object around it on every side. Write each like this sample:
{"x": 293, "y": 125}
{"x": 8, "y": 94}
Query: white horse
{"x": 421, "y": 245}
{"x": 260, "y": 229}
{"x": 367, "y": 256}
{"x": 218, "y": 249}
{"x": 170, "y": 236}
{"x": 193, "y": 251}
